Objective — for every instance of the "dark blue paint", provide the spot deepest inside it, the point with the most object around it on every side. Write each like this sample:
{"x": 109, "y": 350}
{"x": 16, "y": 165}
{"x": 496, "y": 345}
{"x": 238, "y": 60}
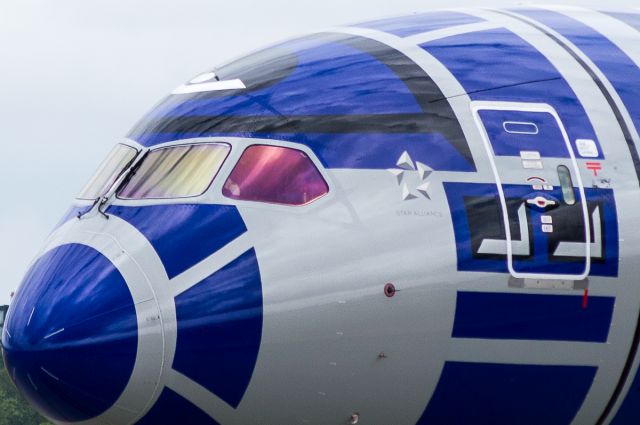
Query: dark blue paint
{"x": 629, "y": 410}
{"x": 356, "y": 102}
{"x": 497, "y": 65}
{"x": 503, "y": 394}
{"x": 184, "y": 234}
{"x": 540, "y": 261}
{"x": 606, "y": 199}
{"x": 329, "y": 79}
{"x": 172, "y": 409}
{"x": 422, "y": 22}
{"x": 358, "y": 150}
{"x": 75, "y": 288}
{"x": 456, "y": 193}
{"x": 532, "y": 317}
{"x": 620, "y": 69}
{"x": 548, "y": 140}
{"x": 220, "y": 328}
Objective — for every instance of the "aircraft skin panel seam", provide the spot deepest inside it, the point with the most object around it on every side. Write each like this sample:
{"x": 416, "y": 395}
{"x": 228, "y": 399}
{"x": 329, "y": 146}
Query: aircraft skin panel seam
{"x": 636, "y": 161}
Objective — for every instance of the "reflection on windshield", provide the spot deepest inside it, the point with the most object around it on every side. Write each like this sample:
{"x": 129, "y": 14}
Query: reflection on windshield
{"x": 176, "y": 172}
{"x": 111, "y": 168}
{"x": 276, "y": 175}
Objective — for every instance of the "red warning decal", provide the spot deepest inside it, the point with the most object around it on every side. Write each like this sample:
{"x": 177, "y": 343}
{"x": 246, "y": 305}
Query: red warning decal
{"x": 595, "y": 167}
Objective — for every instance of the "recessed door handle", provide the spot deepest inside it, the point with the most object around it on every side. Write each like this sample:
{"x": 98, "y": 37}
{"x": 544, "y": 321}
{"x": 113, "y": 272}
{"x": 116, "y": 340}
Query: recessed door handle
{"x": 542, "y": 203}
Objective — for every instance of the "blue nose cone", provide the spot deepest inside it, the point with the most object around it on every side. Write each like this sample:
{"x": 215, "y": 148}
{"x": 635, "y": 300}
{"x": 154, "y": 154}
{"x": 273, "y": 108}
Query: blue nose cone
{"x": 71, "y": 335}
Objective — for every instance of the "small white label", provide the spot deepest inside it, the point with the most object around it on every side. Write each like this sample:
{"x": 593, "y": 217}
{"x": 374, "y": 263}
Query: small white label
{"x": 532, "y": 165}
{"x": 209, "y": 86}
{"x": 531, "y": 155}
{"x": 547, "y": 228}
{"x": 537, "y": 187}
{"x": 547, "y": 187}
{"x": 546, "y": 219}
{"x": 587, "y": 148}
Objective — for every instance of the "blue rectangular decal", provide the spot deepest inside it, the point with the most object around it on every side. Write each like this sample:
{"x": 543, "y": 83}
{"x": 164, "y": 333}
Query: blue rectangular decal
{"x": 629, "y": 410}
{"x": 511, "y": 132}
{"x": 504, "y": 394}
{"x": 532, "y": 317}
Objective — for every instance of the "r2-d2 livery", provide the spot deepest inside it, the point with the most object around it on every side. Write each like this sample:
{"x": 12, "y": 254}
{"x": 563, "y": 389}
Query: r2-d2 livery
{"x": 427, "y": 220}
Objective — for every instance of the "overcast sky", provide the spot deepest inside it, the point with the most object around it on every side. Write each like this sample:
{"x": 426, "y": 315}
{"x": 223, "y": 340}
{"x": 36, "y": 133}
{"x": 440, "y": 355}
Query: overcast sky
{"x": 77, "y": 74}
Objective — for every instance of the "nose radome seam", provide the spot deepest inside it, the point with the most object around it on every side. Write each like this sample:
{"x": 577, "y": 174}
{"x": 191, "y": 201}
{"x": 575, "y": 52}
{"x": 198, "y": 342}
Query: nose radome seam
{"x": 111, "y": 242}
{"x": 158, "y": 386}
{"x": 54, "y": 357}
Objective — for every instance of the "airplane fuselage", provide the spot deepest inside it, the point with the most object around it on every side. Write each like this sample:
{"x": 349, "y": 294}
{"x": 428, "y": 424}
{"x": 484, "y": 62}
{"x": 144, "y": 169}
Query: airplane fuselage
{"x": 421, "y": 220}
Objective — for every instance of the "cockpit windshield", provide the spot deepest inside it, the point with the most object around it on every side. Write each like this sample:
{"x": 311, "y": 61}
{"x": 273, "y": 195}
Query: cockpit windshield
{"x": 263, "y": 173}
{"x": 111, "y": 168}
{"x": 179, "y": 171}
{"x": 275, "y": 175}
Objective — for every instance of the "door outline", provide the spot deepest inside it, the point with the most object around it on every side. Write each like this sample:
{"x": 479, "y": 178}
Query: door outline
{"x": 478, "y": 106}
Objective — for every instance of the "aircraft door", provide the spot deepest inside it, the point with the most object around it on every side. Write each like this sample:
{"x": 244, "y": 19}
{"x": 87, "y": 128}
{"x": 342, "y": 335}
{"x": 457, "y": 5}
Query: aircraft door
{"x": 542, "y": 198}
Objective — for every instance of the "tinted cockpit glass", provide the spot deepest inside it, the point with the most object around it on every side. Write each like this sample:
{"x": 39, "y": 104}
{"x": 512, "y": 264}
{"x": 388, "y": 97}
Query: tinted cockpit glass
{"x": 175, "y": 172}
{"x": 275, "y": 174}
{"x": 111, "y": 168}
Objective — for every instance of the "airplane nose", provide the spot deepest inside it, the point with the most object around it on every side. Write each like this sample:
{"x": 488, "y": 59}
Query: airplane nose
{"x": 71, "y": 334}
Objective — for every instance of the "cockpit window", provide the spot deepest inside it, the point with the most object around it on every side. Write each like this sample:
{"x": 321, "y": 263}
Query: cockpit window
{"x": 111, "y": 168}
{"x": 275, "y": 175}
{"x": 175, "y": 172}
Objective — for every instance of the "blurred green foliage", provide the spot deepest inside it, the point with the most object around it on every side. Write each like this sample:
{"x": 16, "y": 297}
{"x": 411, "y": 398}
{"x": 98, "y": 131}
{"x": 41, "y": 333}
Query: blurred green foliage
{"x": 14, "y": 410}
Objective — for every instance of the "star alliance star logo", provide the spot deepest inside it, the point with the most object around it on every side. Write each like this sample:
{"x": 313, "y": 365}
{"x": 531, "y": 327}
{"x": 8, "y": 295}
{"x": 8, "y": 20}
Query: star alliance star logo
{"x": 408, "y": 173}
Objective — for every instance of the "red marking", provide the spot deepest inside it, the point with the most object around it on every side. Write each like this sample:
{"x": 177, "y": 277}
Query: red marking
{"x": 540, "y": 179}
{"x": 542, "y": 203}
{"x": 594, "y": 166}
{"x": 585, "y": 298}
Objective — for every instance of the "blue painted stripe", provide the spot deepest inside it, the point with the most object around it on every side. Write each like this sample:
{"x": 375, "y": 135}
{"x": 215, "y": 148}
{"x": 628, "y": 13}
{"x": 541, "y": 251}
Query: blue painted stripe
{"x": 501, "y": 394}
{"x": 629, "y": 411}
{"x": 358, "y": 103}
{"x": 497, "y": 65}
{"x": 620, "y": 70}
{"x": 172, "y": 408}
{"x": 329, "y": 78}
{"x": 424, "y": 22}
{"x": 183, "y": 234}
{"x": 532, "y": 317}
{"x": 220, "y": 328}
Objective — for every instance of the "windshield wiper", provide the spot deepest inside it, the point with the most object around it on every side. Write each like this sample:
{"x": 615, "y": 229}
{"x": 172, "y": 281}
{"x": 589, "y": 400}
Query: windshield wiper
{"x": 123, "y": 178}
